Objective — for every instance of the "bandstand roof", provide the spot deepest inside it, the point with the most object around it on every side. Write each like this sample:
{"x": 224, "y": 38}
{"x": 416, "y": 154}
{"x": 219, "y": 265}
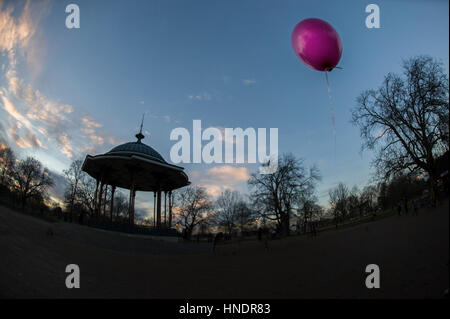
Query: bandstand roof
{"x": 151, "y": 171}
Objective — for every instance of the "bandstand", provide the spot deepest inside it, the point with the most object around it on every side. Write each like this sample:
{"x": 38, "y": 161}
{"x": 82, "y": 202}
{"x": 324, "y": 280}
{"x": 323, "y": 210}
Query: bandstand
{"x": 137, "y": 167}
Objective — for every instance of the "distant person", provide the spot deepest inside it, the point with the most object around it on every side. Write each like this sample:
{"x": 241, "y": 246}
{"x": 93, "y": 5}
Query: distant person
{"x": 218, "y": 238}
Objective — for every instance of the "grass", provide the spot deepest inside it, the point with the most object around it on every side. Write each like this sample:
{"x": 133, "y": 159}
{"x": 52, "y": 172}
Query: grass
{"x": 347, "y": 224}
{"x": 30, "y": 211}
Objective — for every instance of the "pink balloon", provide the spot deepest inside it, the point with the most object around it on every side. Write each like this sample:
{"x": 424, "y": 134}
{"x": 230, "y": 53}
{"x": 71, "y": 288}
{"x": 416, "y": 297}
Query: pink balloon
{"x": 317, "y": 44}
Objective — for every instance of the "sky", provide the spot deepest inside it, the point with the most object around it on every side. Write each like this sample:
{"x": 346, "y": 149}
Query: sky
{"x": 65, "y": 93}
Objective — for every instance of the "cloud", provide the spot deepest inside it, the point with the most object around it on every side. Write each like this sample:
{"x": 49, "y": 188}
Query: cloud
{"x": 97, "y": 140}
{"x": 12, "y": 110}
{"x": 89, "y": 122}
{"x": 229, "y": 174}
{"x": 216, "y": 190}
{"x": 36, "y": 105}
{"x": 27, "y": 139}
{"x": 88, "y": 131}
{"x": 56, "y": 192}
{"x": 200, "y": 97}
{"x": 87, "y": 149}
{"x": 19, "y": 34}
{"x": 248, "y": 81}
{"x": 112, "y": 141}
{"x": 34, "y": 119}
{"x": 220, "y": 178}
{"x": 2, "y": 134}
{"x": 144, "y": 208}
{"x": 37, "y": 114}
{"x": 66, "y": 148}
{"x": 149, "y": 114}
{"x": 15, "y": 33}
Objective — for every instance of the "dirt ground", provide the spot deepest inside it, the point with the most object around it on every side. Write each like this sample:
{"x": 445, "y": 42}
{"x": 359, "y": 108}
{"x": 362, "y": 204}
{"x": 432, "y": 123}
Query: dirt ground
{"x": 411, "y": 251}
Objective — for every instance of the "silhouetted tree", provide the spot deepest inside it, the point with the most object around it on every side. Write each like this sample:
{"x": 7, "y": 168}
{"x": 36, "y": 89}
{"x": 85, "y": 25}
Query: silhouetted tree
{"x": 193, "y": 206}
{"x": 232, "y": 212}
{"x": 308, "y": 210}
{"x": 368, "y": 199}
{"x": 7, "y": 162}
{"x": 382, "y": 200}
{"x": 278, "y": 193}
{"x": 339, "y": 200}
{"x": 402, "y": 188}
{"x": 86, "y": 193}
{"x": 246, "y": 215}
{"x": 32, "y": 180}
{"x": 354, "y": 202}
{"x": 406, "y": 120}
{"x": 73, "y": 177}
{"x": 226, "y": 215}
{"x": 120, "y": 206}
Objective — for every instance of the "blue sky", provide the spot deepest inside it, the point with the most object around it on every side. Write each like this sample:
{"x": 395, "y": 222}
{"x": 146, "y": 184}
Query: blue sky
{"x": 68, "y": 92}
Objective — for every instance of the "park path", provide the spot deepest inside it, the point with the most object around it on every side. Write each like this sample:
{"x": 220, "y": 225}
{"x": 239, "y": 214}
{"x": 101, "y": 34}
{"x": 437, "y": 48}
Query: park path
{"x": 411, "y": 251}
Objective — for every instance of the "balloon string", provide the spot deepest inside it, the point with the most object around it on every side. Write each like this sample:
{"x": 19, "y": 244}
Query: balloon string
{"x": 331, "y": 110}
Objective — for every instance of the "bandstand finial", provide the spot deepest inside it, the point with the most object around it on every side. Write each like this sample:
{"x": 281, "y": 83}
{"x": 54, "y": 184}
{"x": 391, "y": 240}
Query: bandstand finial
{"x": 140, "y": 136}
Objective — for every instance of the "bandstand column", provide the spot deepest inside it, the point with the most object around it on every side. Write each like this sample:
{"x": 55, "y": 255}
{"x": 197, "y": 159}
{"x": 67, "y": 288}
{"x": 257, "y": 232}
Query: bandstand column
{"x": 158, "y": 210}
{"x": 131, "y": 202}
{"x": 104, "y": 200}
{"x": 170, "y": 209}
{"x": 111, "y": 209}
{"x": 154, "y": 209}
{"x": 96, "y": 194}
{"x": 165, "y": 209}
{"x": 100, "y": 197}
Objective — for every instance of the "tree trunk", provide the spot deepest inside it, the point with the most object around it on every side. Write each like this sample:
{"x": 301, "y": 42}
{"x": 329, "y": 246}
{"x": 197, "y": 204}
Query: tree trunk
{"x": 432, "y": 189}
{"x": 189, "y": 232}
{"x": 170, "y": 209}
{"x": 305, "y": 223}
{"x": 24, "y": 200}
{"x": 285, "y": 224}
